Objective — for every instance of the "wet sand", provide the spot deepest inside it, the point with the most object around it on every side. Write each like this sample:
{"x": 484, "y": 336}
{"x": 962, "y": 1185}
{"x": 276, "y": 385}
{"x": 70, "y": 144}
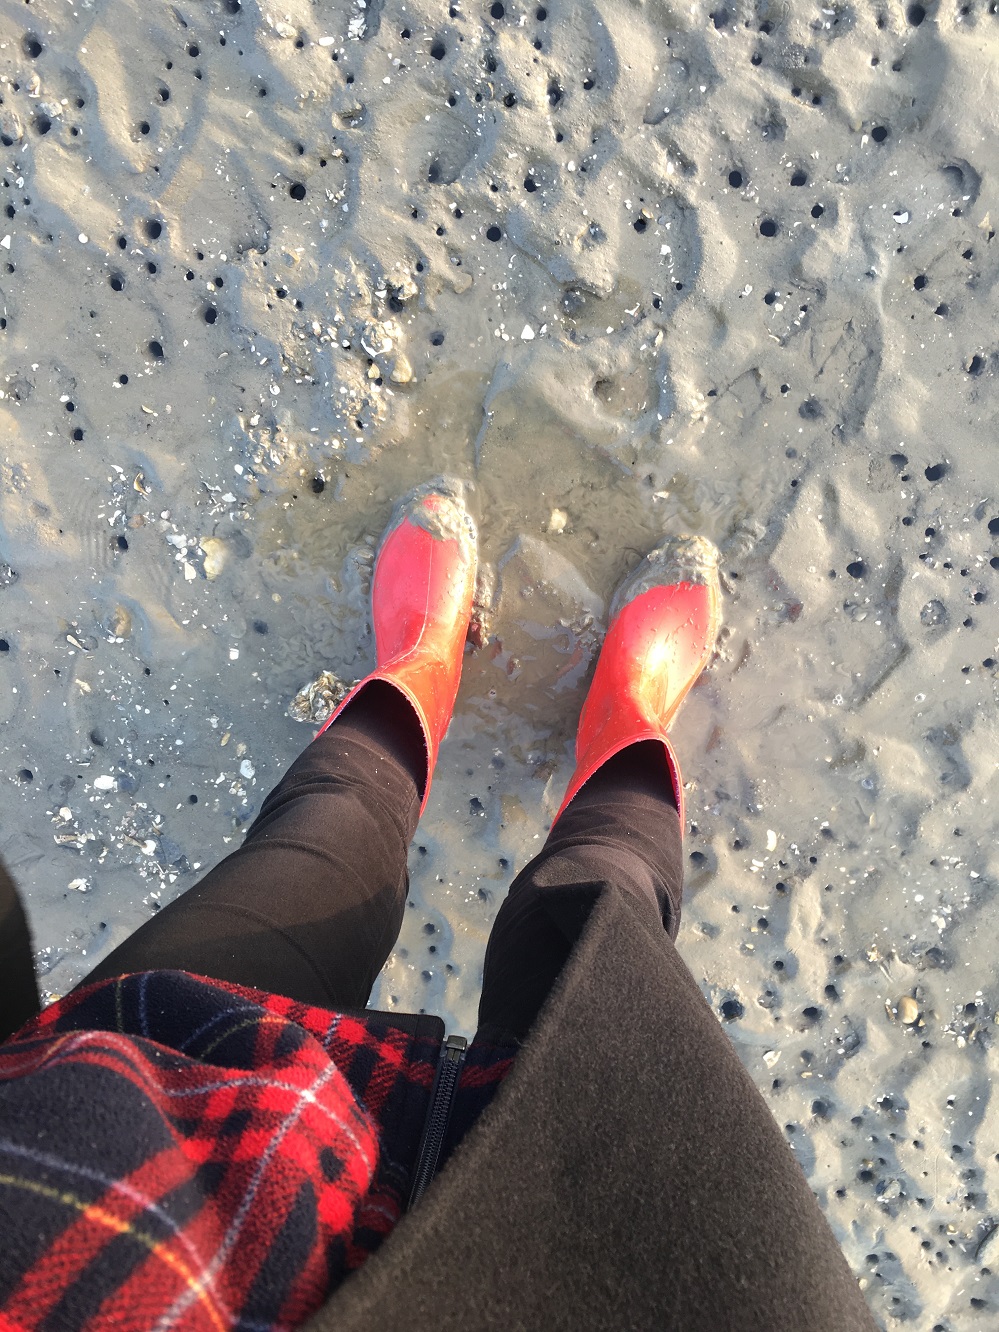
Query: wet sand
{"x": 631, "y": 270}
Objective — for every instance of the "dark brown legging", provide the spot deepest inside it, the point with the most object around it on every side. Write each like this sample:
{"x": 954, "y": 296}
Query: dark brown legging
{"x": 311, "y": 904}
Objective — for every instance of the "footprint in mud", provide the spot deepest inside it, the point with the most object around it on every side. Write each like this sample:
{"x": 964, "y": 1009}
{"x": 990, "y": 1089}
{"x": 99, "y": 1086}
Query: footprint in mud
{"x": 444, "y": 142}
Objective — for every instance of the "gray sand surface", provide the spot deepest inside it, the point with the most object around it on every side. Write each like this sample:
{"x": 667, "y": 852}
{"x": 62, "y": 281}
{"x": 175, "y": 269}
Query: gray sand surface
{"x": 633, "y": 269}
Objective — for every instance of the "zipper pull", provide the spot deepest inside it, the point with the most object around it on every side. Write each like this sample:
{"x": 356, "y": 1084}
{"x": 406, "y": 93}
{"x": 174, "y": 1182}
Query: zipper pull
{"x": 438, "y": 1114}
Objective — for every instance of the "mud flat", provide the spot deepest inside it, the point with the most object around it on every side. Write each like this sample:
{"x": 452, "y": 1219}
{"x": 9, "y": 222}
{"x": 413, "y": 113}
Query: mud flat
{"x": 632, "y": 270}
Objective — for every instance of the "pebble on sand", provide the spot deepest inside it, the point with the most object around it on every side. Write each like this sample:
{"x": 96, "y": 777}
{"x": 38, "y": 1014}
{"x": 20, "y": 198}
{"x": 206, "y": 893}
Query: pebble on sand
{"x": 907, "y": 1010}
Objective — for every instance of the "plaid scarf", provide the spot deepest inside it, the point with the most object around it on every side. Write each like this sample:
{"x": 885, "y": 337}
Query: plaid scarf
{"x": 177, "y": 1152}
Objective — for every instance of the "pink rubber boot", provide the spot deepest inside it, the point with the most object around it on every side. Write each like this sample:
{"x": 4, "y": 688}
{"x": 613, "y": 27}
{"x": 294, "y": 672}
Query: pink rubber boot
{"x": 421, "y": 604}
{"x": 664, "y": 622}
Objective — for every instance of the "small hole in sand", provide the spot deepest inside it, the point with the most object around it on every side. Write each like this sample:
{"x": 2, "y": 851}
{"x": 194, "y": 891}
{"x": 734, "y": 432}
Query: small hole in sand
{"x": 879, "y": 133}
{"x": 78, "y": 434}
{"x": 297, "y": 191}
{"x": 70, "y": 406}
{"x": 497, "y": 11}
{"x": 920, "y": 282}
{"x": 735, "y": 179}
{"x": 494, "y": 233}
{"x": 155, "y": 350}
{"x": 768, "y": 227}
{"x": 818, "y": 210}
{"x": 915, "y": 14}
{"x": 976, "y": 365}
{"x": 211, "y": 314}
{"x": 936, "y": 471}
{"x": 799, "y": 178}
{"x": 437, "y": 339}
{"x": 438, "y": 50}
{"x": 116, "y": 282}
{"x": 123, "y": 379}
{"x": 153, "y": 229}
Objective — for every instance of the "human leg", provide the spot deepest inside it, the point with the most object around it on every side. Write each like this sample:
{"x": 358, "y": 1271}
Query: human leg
{"x": 622, "y": 818}
{"x": 622, "y": 829}
{"x": 311, "y": 904}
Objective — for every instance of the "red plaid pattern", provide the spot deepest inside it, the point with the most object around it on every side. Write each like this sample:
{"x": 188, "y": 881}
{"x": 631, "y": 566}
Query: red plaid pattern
{"x": 178, "y": 1152}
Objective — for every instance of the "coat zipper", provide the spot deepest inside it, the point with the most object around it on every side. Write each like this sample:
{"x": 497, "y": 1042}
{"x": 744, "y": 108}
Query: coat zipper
{"x": 441, "y": 1099}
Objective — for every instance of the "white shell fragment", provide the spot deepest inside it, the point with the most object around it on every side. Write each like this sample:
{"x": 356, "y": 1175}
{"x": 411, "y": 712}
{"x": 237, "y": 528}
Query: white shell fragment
{"x": 215, "y": 556}
{"x": 316, "y": 702}
{"x": 402, "y": 371}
